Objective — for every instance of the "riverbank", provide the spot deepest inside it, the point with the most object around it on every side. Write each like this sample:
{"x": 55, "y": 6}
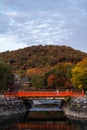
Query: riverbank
{"x": 11, "y": 107}
{"x": 76, "y": 108}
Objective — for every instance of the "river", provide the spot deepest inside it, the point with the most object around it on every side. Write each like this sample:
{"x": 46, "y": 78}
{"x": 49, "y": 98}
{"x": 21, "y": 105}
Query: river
{"x": 44, "y": 115}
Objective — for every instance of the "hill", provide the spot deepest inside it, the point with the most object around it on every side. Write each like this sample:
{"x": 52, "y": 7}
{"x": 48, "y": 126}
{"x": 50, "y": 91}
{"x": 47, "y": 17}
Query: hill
{"x": 41, "y": 56}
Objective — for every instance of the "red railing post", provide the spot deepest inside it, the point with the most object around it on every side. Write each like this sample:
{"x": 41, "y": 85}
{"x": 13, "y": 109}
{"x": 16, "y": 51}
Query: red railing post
{"x": 83, "y": 93}
{"x": 67, "y": 92}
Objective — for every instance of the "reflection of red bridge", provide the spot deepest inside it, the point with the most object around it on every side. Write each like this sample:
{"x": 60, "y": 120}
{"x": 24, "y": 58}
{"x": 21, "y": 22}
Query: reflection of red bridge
{"x": 46, "y": 126}
{"x": 45, "y": 94}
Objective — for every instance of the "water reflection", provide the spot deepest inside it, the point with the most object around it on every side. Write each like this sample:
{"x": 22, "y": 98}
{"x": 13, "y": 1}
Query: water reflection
{"x": 39, "y": 126}
{"x": 64, "y": 125}
{"x": 81, "y": 125}
{"x": 27, "y": 124}
{"x": 42, "y": 117}
{"x": 45, "y": 126}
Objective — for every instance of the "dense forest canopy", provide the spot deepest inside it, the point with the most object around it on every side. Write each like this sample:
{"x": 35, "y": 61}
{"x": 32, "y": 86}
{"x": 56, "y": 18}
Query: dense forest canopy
{"x": 49, "y": 67}
{"x": 41, "y": 56}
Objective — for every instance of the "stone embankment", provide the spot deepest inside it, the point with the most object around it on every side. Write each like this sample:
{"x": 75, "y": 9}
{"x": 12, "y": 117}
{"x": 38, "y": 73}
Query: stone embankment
{"x": 11, "y": 107}
{"x": 76, "y": 108}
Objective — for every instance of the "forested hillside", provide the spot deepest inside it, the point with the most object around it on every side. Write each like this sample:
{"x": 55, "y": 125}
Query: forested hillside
{"x": 41, "y": 56}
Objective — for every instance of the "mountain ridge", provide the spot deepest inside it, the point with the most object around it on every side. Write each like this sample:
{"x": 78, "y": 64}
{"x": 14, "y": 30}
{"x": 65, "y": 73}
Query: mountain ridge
{"x": 41, "y": 56}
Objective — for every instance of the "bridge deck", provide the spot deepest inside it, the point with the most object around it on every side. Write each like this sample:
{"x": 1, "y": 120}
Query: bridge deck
{"x": 46, "y": 94}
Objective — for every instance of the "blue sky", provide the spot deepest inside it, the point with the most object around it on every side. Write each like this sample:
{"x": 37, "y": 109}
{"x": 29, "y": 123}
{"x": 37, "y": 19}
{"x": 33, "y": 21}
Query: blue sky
{"x": 25, "y": 23}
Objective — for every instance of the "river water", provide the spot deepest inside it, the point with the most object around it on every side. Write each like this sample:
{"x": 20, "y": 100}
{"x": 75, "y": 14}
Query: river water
{"x": 44, "y": 115}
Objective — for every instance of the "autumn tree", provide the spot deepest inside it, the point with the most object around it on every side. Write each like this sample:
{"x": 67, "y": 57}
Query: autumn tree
{"x": 64, "y": 69}
{"x": 52, "y": 81}
{"x": 79, "y": 75}
{"x": 36, "y": 76}
{"x": 52, "y": 72}
{"x": 63, "y": 73}
{"x": 36, "y": 71}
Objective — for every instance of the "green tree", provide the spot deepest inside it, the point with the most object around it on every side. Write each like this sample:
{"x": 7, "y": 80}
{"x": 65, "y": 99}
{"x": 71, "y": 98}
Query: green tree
{"x": 5, "y": 76}
{"x": 64, "y": 69}
{"x": 37, "y": 81}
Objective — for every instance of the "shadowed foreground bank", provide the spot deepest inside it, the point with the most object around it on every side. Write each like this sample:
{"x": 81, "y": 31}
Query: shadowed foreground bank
{"x": 76, "y": 108}
{"x": 10, "y": 108}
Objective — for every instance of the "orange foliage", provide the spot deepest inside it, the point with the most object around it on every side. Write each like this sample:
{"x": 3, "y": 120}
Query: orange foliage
{"x": 36, "y": 71}
{"x": 51, "y": 79}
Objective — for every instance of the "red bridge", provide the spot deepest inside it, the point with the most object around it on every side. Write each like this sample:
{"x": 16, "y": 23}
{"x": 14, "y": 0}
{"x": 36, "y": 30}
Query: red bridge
{"x": 45, "y": 94}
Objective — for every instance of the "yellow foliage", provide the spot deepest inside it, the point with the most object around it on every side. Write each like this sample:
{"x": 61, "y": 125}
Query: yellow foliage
{"x": 79, "y": 74}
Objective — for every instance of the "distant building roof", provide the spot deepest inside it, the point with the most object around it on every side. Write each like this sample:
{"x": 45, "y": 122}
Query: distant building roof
{"x": 24, "y": 81}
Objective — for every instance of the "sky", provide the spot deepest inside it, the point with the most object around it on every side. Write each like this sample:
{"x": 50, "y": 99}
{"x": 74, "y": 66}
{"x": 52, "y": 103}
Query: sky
{"x": 25, "y": 23}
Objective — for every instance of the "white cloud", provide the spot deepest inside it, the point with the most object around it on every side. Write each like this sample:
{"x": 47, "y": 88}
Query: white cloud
{"x": 54, "y": 22}
{"x": 9, "y": 43}
{"x": 10, "y": 13}
{"x": 43, "y": 25}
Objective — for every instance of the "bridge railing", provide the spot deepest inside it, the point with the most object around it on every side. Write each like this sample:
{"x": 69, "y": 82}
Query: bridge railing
{"x": 45, "y": 93}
